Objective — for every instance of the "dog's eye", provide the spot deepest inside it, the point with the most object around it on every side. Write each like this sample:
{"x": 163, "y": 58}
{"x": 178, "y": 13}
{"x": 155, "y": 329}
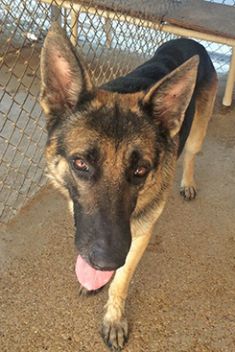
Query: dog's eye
{"x": 80, "y": 165}
{"x": 141, "y": 171}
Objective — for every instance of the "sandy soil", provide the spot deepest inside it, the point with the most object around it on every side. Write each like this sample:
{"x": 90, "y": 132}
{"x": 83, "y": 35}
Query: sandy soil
{"x": 182, "y": 298}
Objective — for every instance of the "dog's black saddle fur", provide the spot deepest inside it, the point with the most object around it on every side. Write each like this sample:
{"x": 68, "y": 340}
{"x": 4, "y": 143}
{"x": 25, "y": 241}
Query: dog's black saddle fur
{"x": 167, "y": 57}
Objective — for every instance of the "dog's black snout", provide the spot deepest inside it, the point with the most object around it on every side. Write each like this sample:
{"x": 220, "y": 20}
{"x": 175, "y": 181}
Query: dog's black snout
{"x": 104, "y": 259}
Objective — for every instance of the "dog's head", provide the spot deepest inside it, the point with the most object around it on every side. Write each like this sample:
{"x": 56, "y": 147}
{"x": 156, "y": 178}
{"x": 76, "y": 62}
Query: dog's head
{"x": 104, "y": 148}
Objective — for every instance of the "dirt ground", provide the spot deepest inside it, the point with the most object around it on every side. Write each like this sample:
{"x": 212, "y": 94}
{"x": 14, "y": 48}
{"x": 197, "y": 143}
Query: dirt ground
{"x": 182, "y": 298}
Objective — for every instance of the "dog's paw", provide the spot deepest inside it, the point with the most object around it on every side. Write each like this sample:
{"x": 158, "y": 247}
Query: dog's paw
{"x": 188, "y": 193}
{"x": 85, "y": 293}
{"x": 115, "y": 334}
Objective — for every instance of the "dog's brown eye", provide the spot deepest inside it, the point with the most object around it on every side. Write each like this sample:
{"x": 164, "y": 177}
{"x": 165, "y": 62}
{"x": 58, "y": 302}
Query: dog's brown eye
{"x": 80, "y": 165}
{"x": 141, "y": 171}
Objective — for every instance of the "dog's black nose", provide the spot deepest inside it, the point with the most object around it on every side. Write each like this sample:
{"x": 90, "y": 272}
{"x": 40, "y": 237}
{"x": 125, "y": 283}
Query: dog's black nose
{"x": 105, "y": 259}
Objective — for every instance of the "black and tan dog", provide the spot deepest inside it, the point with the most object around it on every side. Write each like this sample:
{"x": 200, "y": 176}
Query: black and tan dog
{"x": 113, "y": 149}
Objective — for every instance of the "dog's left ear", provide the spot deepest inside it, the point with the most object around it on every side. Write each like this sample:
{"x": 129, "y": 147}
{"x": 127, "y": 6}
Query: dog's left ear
{"x": 168, "y": 99}
{"x": 64, "y": 78}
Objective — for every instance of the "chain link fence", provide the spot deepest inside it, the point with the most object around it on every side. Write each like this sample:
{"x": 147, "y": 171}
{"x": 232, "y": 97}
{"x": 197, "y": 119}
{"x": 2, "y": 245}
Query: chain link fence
{"x": 113, "y": 42}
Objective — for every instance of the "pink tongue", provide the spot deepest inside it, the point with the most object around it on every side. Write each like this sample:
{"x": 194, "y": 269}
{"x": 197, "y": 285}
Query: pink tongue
{"x": 90, "y": 278}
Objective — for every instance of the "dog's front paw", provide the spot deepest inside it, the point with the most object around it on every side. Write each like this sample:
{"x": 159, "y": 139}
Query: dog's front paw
{"x": 115, "y": 334}
{"x": 188, "y": 193}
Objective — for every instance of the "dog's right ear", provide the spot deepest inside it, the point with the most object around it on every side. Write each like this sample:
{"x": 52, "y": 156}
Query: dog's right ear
{"x": 65, "y": 81}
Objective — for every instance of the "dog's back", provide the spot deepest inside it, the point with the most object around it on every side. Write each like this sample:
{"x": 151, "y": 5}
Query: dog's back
{"x": 168, "y": 57}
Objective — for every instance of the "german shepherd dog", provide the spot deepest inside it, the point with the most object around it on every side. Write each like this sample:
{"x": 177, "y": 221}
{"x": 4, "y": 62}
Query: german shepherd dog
{"x": 112, "y": 150}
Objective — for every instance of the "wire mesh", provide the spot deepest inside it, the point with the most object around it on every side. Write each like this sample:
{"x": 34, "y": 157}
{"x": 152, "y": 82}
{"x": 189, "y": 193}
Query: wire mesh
{"x": 114, "y": 37}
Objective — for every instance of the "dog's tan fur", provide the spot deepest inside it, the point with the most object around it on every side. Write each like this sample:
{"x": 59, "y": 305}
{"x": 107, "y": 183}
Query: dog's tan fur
{"x": 204, "y": 108}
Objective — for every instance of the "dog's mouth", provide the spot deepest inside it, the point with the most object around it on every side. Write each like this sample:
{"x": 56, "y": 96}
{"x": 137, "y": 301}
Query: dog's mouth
{"x": 90, "y": 278}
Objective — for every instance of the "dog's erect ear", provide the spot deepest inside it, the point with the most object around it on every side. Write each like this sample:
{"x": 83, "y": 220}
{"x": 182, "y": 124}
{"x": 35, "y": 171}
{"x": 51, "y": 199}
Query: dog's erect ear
{"x": 64, "y": 78}
{"x": 168, "y": 99}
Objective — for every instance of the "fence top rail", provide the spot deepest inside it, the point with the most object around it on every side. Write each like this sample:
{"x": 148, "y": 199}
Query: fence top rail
{"x": 199, "y": 15}
{"x": 203, "y": 16}
{"x": 144, "y": 9}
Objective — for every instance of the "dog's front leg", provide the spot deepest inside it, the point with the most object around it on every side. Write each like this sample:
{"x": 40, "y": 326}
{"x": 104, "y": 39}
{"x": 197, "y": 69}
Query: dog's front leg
{"x": 115, "y": 326}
